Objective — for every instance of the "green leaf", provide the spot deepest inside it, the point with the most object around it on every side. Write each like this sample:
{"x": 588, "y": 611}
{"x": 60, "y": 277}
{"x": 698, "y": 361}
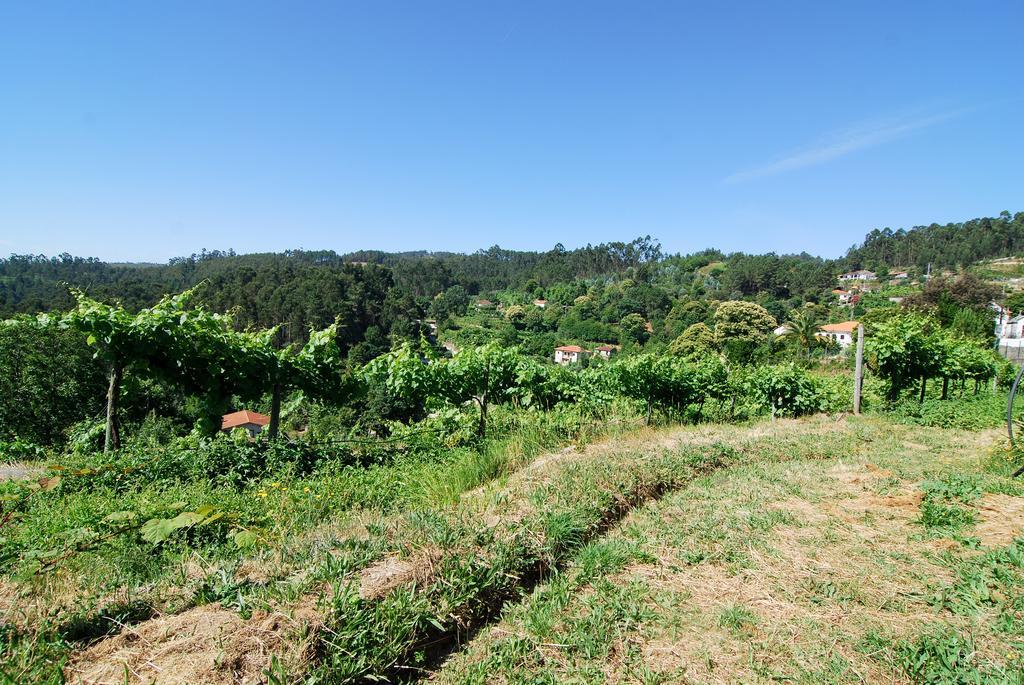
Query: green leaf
{"x": 119, "y": 516}
{"x": 245, "y": 539}
{"x": 158, "y": 530}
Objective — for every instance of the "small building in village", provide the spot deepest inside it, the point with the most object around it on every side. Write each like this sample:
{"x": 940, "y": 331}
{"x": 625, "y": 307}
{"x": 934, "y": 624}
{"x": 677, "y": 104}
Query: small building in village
{"x": 605, "y": 351}
{"x": 839, "y": 333}
{"x": 251, "y": 421}
{"x": 540, "y": 303}
{"x": 569, "y": 354}
{"x": 844, "y": 296}
{"x": 858, "y": 275}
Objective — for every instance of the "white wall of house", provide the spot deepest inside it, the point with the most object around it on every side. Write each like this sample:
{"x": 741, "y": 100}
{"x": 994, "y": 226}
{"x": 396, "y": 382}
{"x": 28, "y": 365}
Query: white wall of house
{"x": 563, "y": 357}
{"x": 841, "y": 338}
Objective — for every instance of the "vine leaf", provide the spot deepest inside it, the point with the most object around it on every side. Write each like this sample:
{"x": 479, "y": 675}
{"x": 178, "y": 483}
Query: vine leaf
{"x": 157, "y": 530}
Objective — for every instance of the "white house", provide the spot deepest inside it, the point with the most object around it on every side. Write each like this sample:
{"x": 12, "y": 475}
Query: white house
{"x": 781, "y": 330}
{"x": 540, "y": 303}
{"x": 859, "y": 275}
{"x": 249, "y": 420}
{"x": 569, "y": 354}
{"x": 1010, "y": 327}
{"x": 605, "y": 351}
{"x": 899, "y": 275}
{"x": 844, "y": 296}
{"x": 840, "y": 333}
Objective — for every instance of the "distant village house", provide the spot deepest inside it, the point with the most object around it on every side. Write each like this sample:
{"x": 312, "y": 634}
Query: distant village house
{"x": 844, "y": 296}
{"x": 569, "y": 354}
{"x": 839, "y": 333}
{"x": 858, "y": 275}
{"x": 1009, "y": 330}
{"x": 540, "y": 303}
{"x": 249, "y": 420}
{"x": 605, "y": 351}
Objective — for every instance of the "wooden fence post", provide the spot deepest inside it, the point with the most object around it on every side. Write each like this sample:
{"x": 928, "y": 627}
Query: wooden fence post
{"x": 858, "y": 374}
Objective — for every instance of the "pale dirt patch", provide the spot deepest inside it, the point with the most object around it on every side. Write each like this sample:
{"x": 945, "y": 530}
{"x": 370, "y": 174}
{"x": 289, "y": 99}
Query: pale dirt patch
{"x": 863, "y": 560}
{"x": 207, "y": 644}
{"x": 881, "y": 581}
{"x": 381, "y": 577}
{"x": 18, "y": 471}
{"x": 1000, "y": 519}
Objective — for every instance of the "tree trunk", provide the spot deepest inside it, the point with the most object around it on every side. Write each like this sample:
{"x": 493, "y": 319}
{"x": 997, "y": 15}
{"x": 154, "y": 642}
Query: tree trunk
{"x": 924, "y": 386}
{"x": 977, "y": 385}
{"x": 945, "y": 387}
{"x": 481, "y": 429}
{"x": 112, "y": 437}
{"x": 275, "y": 412}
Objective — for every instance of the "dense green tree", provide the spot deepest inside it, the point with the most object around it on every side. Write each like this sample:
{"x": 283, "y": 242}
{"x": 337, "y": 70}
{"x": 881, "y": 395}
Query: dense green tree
{"x": 516, "y": 315}
{"x": 50, "y": 381}
{"x": 634, "y": 328}
{"x": 696, "y": 341}
{"x": 741, "y": 327}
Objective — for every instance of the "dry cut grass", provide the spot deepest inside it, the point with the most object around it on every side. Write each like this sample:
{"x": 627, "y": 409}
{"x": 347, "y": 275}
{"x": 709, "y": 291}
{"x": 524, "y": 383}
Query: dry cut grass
{"x": 811, "y": 570}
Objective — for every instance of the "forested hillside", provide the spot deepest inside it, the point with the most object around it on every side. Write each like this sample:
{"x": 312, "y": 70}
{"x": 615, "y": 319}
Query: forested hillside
{"x": 948, "y": 245}
{"x": 378, "y": 296}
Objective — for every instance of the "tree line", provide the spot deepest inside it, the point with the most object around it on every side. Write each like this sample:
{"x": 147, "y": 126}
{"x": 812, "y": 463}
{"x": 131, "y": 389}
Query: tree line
{"x": 943, "y": 246}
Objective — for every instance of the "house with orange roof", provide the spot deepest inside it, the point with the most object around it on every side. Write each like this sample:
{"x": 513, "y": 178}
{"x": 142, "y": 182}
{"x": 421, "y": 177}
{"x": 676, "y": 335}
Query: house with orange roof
{"x": 839, "y": 333}
{"x": 251, "y": 421}
{"x": 569, "y": 354}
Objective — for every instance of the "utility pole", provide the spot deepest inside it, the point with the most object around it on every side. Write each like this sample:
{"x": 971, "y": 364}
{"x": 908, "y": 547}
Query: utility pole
{"x": 858, "y": 373}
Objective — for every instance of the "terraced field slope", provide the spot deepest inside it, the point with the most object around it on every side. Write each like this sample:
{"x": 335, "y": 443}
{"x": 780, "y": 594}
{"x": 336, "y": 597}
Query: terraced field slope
{"x": 821, "y": 550}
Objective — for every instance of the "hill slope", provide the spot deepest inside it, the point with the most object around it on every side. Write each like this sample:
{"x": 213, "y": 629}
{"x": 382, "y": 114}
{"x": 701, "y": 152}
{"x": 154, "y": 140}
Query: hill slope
{"x": 816, "y": 550}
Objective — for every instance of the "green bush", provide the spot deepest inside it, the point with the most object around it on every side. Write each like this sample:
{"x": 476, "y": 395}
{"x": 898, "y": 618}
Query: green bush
{"x": 789, "y": 389}
{"x": 974, "y": 412}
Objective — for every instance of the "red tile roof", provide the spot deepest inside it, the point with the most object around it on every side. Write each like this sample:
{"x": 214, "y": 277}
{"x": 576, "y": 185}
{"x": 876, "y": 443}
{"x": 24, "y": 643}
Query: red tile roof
{"x": 570, "y": 348}
{"x": 605, "y": 348}
{"x": 844, "y": 327}
{"x": 242, "y": 418}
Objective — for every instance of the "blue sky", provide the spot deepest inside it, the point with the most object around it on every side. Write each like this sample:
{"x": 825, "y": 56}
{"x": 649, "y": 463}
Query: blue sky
{"x": 142, "y": 131}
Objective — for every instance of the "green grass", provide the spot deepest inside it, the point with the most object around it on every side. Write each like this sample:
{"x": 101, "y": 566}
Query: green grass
{"x": 800, "y": 565}
{"x": 656, "y": 557}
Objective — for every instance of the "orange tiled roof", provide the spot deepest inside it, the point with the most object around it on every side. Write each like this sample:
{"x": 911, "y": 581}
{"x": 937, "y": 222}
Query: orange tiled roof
{"x": 242, "y": 418}
{"x": 844, "y": 327}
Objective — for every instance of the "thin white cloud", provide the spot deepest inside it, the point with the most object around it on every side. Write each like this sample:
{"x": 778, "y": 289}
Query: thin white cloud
{"x": 842, "y": 143}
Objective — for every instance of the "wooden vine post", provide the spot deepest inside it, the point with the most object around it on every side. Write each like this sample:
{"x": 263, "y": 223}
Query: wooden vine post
{"x": 112, "y": 436}
{"x": 275, "y": 411}
{"x": 858, "y": 374}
